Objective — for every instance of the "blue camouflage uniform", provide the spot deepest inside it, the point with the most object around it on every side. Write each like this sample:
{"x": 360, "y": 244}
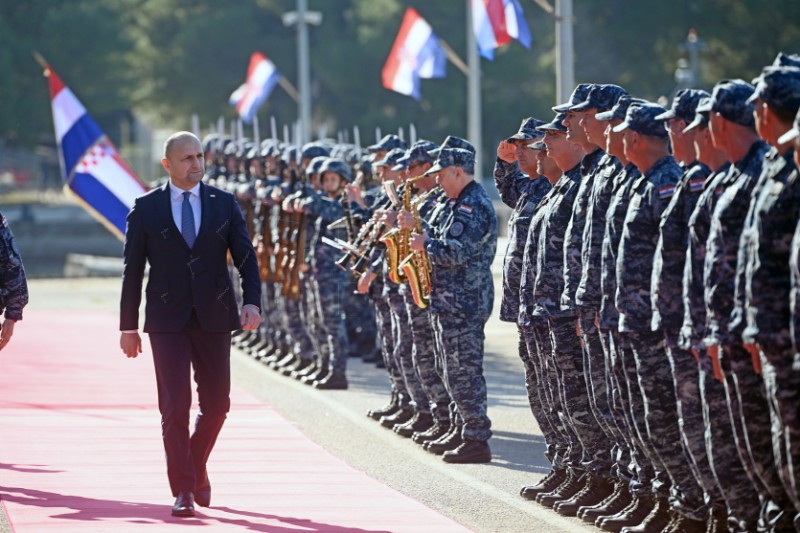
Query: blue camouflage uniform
{"x": 462, "y": 294}
{"x": 743, "y": 388}
{"x": 765, "y": 251}
{"x": 13, "y": 284}
{"x": 657, "y": 422}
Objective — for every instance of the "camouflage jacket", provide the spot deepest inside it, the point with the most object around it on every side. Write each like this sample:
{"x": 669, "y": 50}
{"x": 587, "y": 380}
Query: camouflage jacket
{"x": 13, "y": 285}
{"x": 614, "y": 220}
{"x": 323, "y": 210}
{"x": 549, "y": 281}
{"x": 573, "y": 239}
{"x": 522, "y": 194}
{"x": 768, "y": 239}
{"x": 589, "y": 293}
{"x": 794, "y": 293}
{"x": 461, "y": 253}
{"x": 649, "y": 197}
{"x": 719, "y": 272}
{"x": 694, "y": 307}
{"x": 670, "y": 257}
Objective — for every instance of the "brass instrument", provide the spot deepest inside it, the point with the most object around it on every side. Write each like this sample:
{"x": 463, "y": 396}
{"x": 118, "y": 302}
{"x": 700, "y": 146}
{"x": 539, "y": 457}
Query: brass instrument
{"x": 417, "y": 265}
{"x": 396, "y": 241}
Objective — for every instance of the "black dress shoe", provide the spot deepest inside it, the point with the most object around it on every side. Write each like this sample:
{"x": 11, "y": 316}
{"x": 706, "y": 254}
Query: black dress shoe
{"x": 184, "y": 504}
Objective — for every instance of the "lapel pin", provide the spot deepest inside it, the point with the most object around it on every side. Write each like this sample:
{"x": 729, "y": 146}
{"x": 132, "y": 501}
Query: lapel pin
{"x": 213, "y": 195}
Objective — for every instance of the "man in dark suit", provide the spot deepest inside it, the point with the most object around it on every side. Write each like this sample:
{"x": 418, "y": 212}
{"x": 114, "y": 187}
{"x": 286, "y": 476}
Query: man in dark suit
{"x": 185, "y": 230}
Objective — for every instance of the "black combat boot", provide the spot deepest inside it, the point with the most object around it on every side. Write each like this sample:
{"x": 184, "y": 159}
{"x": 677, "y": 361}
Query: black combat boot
{"x": 470, "y": 451}
{"x": 450, "y": 442}
{"x": 437, "y": 430}
{"x": 420, "y": 422}
{"x": 596, "y": 490}
{"x": 547, "y": 484}
{"x": 333, "y": 381}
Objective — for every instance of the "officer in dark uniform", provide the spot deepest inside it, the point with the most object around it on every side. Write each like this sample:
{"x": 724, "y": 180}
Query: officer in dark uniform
{"x": 462, "y": 293}
{"x": 13, "y": 285}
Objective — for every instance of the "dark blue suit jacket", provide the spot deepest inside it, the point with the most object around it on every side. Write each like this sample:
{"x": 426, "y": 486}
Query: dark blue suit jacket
{"x": 182, "y": 279}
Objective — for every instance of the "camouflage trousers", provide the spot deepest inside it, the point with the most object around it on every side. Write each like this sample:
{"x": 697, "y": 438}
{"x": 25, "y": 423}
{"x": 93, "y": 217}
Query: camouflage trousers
{"x": 423, "y": 357}
{"x": 782, "y": 384}
{"x": 330, "y": 292}
{"x": 310, "y": 314}
{"x": 402, "y": 353}
{"x": 722, "y": 446}
{"x": 383, "y": 316}
{"x": 577, "y": 412}
{"x": 272, "y": 324}
{"x": 534, "y": 350}
{"x": 301, "y": 344}
{"x": 686, "y": 380}
{"x": 362, "y": 331}
{"x": 594, "y": 372}
{"x": 459, "y": 344}
{"x": 626, "y": 467}
{"x": 661, "y": 422}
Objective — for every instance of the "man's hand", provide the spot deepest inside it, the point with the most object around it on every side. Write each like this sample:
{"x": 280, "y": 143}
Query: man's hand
{"x": 752, "y": 349}
{"x": 354, "y": 194}
{"x": 506, "y": 152}
{"x": 365, "y": 280}
{"x": 417, "y": 241}
{"x": 388, "y": 218}
{"x": 131, "y": 344}
{"x": 251, "y": 317}
{"x": 6, "y": 332}
{"x": 405, "y": 220}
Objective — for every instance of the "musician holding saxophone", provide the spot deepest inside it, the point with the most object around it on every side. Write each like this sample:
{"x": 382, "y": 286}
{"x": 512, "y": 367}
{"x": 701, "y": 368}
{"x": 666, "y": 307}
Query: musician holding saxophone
{"x": 461, "y": 251}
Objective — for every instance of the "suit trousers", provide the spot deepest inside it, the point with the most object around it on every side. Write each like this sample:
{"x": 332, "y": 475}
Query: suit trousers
{"x": 174, "y": 356}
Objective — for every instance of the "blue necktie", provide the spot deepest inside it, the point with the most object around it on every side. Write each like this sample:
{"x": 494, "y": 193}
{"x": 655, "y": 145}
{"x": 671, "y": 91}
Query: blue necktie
{"x": 187, "y": 220}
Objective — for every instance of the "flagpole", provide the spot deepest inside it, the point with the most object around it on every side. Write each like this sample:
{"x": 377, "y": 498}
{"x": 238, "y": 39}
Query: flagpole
{"x": 474, "y": 94}
{"x": 287, "y": 86}
{"x": 565, "y": 64}
{"x": 453, "y": 57}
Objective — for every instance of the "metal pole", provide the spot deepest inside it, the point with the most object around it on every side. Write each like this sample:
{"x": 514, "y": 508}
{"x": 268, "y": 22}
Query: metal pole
{"x": 565, "y": 61}
{"x": 474, "y": 94}
{"x": 303, "y": 71}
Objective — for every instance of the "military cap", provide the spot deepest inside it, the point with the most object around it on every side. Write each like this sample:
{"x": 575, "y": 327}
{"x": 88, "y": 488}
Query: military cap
{"x": 729, "y": 99}
{"x": 289, "y": 153}
{"x": 619, "y": 110}
{"x": 793, "y": 133}
{"x": 700, "y": 117}
{"x": 231, "y": 148}
{"x": 778, "y": 87}
{"x": 389, "y": 142}
{"x": 419, "y": 152}
{"x": 786, "y": 60}
{"x": 557, "y": 124}
{"x": 601, "y": 97}
{"x": 641, "y": 118}
{"x": 210, "y": 142}
{"x": 390, "y": 159}
{"x": 450, "y": 157}
{"x": 314, "y": 149}
{"x": 315, "y": 164}
{"x": 338, "y": 166}
{"x": 527, "y": 130}
{"x": 538, "y": 145}
{"x": 253, "y": 153}
{"x": 684, "y": 105}
{"x": 578, "y": 95}
{"x": 451, "y": 141}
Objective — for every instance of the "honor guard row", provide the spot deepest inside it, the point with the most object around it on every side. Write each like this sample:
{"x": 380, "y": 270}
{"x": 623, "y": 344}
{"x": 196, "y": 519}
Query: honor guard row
{"x": 652, "y": 272}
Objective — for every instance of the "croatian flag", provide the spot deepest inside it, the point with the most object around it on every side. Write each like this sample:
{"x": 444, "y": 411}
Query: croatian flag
{"x": 261, "y": 79}
{"x": 496, "y": 23}
{"x": 94, "y": 173}
{"x": 416, "y": 54}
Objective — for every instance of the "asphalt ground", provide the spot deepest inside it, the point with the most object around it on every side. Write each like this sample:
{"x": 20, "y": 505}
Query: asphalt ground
{"x": 481, "y": 497}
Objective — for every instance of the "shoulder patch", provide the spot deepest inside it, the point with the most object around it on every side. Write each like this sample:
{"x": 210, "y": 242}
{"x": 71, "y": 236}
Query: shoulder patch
{"x": 464, "y": 208}
{"x": 666, "y": 191}
{"x": 696, "y": 184}
{"x": 456, "y": 229}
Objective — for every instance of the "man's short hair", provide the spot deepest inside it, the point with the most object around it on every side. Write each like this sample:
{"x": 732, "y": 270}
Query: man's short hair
{"x": 176, "y": 138}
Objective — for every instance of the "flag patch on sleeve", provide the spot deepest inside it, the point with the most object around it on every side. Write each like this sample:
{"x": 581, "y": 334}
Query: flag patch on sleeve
{"x": 464, "y": 208}
{"x": 667, "y": 191}
{"x": 696, "y": 184}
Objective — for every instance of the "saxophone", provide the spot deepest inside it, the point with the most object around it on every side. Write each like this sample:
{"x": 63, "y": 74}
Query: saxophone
{"x": 396, "y": 241}
{"x": 417, "y": 265}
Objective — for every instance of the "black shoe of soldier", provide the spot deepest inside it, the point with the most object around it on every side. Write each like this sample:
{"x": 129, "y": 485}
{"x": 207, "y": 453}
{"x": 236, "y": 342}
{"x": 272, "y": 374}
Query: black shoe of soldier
{"x": 470, "y": 452}
{"x": 571, "y": 486}
{"x": 547, "y": 484}
{"x": 434, "y": 432}
{"x": 614, "y": 503}
{"x": 400, "y": 417}
{"x": 452, "y": 441}
{"x": 657, "y": 520}
{"x": 420, "y": 422}
{"x": 333, "y": 381}
{"x": 319, "y": 375}
{"x": 633, "y": 515}
{"x": 445, "y": 436}
{"x": 389, "y": 409}
{"x": 596, "y": 490}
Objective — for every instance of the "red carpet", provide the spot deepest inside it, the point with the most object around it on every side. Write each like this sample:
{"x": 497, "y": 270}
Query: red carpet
{"x": 81, "y": 450}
